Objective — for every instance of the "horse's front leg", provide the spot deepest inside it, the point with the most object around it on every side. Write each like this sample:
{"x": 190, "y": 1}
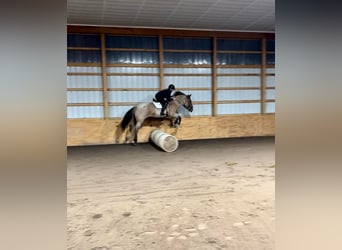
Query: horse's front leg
{"x": 176, "y": 122}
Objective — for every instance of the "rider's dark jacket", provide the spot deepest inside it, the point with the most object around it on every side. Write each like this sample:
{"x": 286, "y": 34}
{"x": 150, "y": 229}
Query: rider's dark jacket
{"x": 164, "y": 96}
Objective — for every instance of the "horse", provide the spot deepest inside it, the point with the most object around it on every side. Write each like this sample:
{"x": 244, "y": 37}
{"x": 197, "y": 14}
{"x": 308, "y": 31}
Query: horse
{"x": 134, "y": 118}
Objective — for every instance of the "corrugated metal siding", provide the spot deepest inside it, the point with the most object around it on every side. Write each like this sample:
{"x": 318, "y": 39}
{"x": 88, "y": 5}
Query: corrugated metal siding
{"x": 238, "y": 44}
{"x": 188, "y": 43}
{"x": 85, "y": 97}
{"x": 238, "y": 108}
{"x": 188, "y": 81}
{"x": 270, "y": 94}
{"x": 133, "y": 70}
{"x": 152, "y": 57}
{"x": 202, "y": 109}
{"x": 238, "y": 81}
{"x": 85, "y": 112}
{"x": 130, "y": 96}
{"x": 270, "y": 107}
{"x": 132, "y": 57}
{"x": 187, "y": 58}
{"x": 238, "y": 71}
{"x": 133, "y": 81}
{"x": 75, "y": 81}
{"x": 229, "y": 95}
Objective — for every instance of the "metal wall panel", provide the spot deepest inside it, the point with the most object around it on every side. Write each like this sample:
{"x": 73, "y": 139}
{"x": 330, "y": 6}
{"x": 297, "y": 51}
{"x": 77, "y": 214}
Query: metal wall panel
{"x": 238, "y": 71}
{"x": 187, "y": 58}
{"x": 270, "y": 81}
{"x": 85, "y": 112}
{"x": 270, "y": 107}
{"x": 238, "y": 81}
{"x": 223, "y": 95}
{"x": 130, "y": 96}
{"x": 201, "y": 109}
{"x": 118, "y": 111}
{"x": 238, "y": 44}
{"x": 84, "y": 81}
{"x": 238, "y": 108}
{"x": 189, "y": 81}
{"x": 133, "y": 81}
{"x": 79, "y": 69}
{"x": 133, "y": 70}
{"x": 187, "y": 70}
{"x": 84, "y": 96}
{"x": 270, "y": 94}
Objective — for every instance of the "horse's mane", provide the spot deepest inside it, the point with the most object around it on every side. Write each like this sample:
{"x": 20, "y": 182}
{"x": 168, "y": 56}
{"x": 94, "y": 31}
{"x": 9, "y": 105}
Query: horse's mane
{"x": 178, "y": 93}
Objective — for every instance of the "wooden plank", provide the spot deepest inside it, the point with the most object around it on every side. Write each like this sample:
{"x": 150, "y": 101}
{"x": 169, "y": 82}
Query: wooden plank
{"x": 167, "y": 32}
{"x": 214, "y": 79}
{"x": 83, "y": 74}
{"x": 85, "y": 104}
{"x": 161, "y": 62}
{"x": 132, "y": 74}
{"x": 102, "y": 131}
{"x": 263, "y": 76}
{"x": 104, "y": 76}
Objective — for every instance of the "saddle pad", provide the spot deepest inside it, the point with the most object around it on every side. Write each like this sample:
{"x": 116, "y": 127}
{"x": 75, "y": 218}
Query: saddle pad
{"x": 157, "y": 105}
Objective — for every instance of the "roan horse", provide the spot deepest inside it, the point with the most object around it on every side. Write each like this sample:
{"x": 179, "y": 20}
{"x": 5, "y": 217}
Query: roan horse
{"x": 134, "y": 118}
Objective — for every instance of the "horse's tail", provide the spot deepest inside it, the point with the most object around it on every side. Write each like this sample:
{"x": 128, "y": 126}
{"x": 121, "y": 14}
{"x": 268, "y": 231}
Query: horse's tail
{"x": 128, "y": 118}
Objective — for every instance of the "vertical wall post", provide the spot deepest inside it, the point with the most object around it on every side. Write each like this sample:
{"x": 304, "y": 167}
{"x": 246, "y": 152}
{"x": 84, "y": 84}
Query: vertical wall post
{"x": 104, "y": 76}
{"x": 161, "y": 63}
{"x": 263, "y": 76}
{"x": 214, "y": 78}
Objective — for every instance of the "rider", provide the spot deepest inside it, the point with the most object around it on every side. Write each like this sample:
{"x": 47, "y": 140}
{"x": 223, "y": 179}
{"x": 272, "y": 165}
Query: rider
{"x": 164, "y": 97}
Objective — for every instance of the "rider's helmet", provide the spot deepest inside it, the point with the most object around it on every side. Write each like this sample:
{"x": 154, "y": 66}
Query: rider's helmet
{"x": 171, "y": 87}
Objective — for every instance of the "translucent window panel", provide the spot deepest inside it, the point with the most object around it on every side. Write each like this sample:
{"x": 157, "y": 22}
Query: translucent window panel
{"x": 188, "y": 43}
{"x": 188, "y": 81}
{"x": 118, "y": 111}
{"x": 187, "y": 58}
{"x": 133, "y": 70}
{"x": 84, "y": 97}
{"x": 88, "y": 41}
{"x": 79, "y": 69}
{"x": 270, "y": 59}
{"x": 132, "y": 42}
{"x": 270, "y": 70}
{"x": 270, "y": 107}
{"x": 199, "y": 95}
{"x": 233, "y": 44}
{"x": 187, "y": 70}
{"x": 270, "y": 81}
{"x": 201, "y": 109}
{"x": 84, "y": 81}
{"x": 238, "y": 59}
{"x": 132, "y": 57}
{"x": 238, "y": 71}
{"x": 131, "y": 96}
{"x": 84, "y": 56}
{"x": 238, "y": 81}
{"x": 227, "y": 95}
{"x": 85, "y": 112}
{"x": 238, "y": 108}
{"x": 133, "y": 81}
{"x": 270, "y": 45}
{"x": 270, "y": 94}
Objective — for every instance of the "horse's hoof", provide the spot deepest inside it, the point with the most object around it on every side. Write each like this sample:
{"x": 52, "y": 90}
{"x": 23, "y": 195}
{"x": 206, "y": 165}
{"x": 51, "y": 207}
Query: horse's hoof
{"x": 134, "y": 143}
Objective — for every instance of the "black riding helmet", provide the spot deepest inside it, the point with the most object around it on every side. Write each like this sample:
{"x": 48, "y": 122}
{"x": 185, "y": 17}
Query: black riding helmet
{"x": 171, "y": 87}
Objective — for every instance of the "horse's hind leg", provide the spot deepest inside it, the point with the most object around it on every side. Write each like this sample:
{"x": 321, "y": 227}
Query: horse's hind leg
{"x": 129, "y": 132}
{"x": 137, "y": 127}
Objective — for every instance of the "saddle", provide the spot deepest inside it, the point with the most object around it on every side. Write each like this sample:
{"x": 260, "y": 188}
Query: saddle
{"x": 157, "y": 104}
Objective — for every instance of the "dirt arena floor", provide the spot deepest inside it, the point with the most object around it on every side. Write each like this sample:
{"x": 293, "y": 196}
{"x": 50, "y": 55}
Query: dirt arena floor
{"x": 209, "y": 194}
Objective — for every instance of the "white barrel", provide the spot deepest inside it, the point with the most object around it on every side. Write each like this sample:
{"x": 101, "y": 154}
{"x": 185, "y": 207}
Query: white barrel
{"x": 165, "y": 141}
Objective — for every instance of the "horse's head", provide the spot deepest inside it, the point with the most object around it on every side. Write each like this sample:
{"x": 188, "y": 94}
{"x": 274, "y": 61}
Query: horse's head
{"x": 188, "y": 103}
